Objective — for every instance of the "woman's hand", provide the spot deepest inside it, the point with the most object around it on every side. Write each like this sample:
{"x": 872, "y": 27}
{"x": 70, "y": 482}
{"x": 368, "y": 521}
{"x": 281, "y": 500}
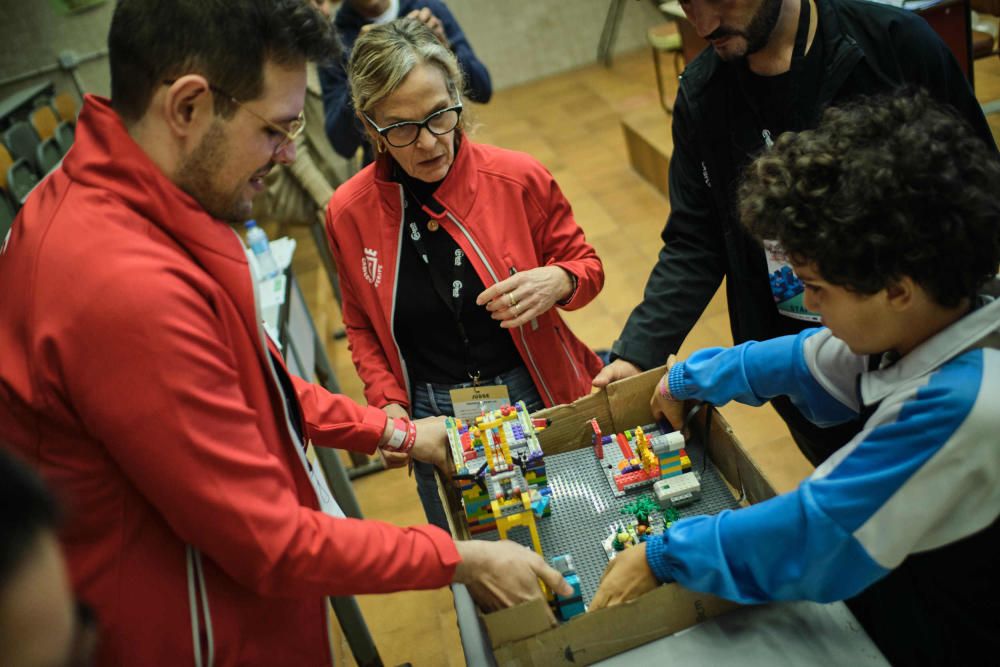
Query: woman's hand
{"x": 526, "y": 295}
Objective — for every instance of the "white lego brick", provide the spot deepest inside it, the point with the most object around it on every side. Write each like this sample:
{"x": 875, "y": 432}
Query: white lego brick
{"x": 667, "y": 442}
{"x": 678, "y": 490}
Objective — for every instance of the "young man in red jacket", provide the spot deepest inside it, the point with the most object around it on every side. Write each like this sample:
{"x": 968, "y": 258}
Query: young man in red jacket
{"x": 135, "y": 374}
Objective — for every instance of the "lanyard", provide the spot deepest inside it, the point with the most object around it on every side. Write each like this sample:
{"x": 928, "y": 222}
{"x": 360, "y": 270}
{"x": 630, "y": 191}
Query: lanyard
{"x": 798, "y": 62}
{"x": 452, "y": 293}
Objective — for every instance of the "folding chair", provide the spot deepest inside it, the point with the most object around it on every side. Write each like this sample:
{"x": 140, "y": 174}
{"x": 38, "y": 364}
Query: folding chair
{"x": 65, "y": 106}
{"x": 22, "y": 142}
{"x": 44, "y": 120}
{"x": 48, "y": 155}
{"x": 6, "y": 216}
{"x": 21, "y": 179}
{"x": 64, "y": 136}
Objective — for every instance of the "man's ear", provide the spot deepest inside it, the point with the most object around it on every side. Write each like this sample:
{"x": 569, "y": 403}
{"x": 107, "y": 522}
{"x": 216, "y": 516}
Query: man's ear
{"x": 188, "y": 105}
{"x": 900, "y": 294}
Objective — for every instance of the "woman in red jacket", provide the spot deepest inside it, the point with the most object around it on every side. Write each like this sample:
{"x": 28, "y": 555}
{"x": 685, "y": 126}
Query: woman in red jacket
{"x": 452, "y": 255}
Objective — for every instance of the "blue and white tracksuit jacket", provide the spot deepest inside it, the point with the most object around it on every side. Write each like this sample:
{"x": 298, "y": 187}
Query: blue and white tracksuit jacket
{"x": 923, "y": 472}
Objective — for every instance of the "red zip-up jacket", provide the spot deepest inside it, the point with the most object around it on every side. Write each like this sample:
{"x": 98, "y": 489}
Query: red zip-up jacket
{"x": 135, "y": 375}
{"x": 506, "y": 213}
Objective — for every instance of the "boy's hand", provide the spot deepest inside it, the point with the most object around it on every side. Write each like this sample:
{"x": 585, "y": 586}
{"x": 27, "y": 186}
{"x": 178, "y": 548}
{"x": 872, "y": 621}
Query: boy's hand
{"x": 503, "y": 574}
{"x": 627, "y": 577}
{"x": 662, "y": 405}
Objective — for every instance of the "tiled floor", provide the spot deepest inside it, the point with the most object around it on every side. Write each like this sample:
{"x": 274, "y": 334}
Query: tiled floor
{"x": 571, "y": 123}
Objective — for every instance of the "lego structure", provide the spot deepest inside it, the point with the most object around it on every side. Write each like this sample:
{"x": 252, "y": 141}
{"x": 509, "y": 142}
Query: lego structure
{"x": 500, "y": 471}
{"x": 566, "y": 607}
{"x": 640, "y": 457}
{"x": 645, "y": 519}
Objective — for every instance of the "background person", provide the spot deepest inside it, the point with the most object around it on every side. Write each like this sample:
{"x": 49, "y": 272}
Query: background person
{"x": 774, "y": 66}
{"x": 888, "y": 212}
{"x": 299, "y": 192}
{"x": 40, "y": 626}
{"x": 137, "y": 377}
{"x": 354, "y": 17}
{"x": 452, "y": 255}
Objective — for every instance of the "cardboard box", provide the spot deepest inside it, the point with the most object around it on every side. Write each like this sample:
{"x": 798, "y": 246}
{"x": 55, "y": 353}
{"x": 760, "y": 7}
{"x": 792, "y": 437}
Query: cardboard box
{"x": 522, "y": 635}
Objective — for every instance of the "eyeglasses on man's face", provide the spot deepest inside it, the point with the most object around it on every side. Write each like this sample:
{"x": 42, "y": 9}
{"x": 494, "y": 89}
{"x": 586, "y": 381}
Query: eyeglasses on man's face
{"x": 288, "y": 135}
{"x": 401, "y": 135}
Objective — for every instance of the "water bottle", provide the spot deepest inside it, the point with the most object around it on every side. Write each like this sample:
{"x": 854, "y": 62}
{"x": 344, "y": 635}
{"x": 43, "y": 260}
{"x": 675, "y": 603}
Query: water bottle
{"x": 257, "y": 240}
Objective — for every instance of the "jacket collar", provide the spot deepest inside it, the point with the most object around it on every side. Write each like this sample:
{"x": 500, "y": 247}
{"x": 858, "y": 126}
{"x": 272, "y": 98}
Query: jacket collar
{"x": 457, "y": 191}
{"x": 933, "y": 352}
{"x": 105, "y": 157}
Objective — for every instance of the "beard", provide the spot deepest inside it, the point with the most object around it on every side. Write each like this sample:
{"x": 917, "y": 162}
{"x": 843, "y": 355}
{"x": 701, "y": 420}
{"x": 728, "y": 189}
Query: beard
{"x": 198, "y": 173}
{"x": 762, "y": 25}
{"x": 756, "y": 34}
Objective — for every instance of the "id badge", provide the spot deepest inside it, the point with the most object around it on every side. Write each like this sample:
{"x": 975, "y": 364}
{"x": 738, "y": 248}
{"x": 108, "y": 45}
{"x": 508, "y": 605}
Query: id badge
{"x": 470, "y": 402}
{"x": 785, "y": 285}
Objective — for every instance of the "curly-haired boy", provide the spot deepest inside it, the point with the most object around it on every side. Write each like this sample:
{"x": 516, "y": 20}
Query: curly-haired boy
{"x": 890, "y": 216}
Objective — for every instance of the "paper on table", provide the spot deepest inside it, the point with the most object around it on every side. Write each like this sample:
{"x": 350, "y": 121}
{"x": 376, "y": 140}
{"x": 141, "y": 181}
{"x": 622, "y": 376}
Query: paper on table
{"x": 282, "y": 250}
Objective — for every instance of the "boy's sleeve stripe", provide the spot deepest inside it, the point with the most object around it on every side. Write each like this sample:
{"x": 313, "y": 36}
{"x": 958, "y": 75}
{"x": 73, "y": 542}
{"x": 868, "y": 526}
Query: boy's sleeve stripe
{"x": 955, "y": 492}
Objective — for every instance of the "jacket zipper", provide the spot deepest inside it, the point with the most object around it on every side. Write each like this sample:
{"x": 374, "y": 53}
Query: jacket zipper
{"x": 569, "y": 357}
{"x": 524, "y": 338}
{"x": 198, "y": 593}
{"x": 395, "y": 288}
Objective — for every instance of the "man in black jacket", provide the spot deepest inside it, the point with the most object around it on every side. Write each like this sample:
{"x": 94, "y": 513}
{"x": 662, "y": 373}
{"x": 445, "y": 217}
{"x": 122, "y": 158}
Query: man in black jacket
{"x": 773, "y": 67}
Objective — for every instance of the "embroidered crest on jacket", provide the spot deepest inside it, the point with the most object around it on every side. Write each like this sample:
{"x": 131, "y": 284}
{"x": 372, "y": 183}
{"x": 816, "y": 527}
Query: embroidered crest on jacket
{"x": 371, "y": 267}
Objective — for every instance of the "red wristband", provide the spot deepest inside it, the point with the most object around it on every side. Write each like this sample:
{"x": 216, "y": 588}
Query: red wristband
{"x": 411, "y": 437}
{"x": 397, "y": 440}
{"x": 663, "y": 388}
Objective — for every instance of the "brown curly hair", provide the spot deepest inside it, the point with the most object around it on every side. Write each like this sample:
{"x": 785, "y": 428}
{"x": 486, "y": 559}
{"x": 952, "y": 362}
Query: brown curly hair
{"x": 887, "y": 186}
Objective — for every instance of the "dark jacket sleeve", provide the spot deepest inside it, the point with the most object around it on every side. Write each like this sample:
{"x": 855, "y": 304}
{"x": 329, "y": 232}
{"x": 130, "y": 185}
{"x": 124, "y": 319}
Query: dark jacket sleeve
{"x": 477, "y": 77}
{"x": 691, "y": 262}
{"x": 342, "y": 125}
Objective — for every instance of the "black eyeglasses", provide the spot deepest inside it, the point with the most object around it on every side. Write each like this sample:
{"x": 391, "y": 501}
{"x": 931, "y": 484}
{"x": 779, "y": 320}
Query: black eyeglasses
{"x": 406, "y": 132}
{"x": 288, "y": 135}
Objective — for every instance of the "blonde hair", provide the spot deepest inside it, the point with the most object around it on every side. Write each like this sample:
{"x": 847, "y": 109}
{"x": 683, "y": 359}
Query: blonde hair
{"x": 384, "y": 55}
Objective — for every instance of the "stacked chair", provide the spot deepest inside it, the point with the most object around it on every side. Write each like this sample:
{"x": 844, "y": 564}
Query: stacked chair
{"x": 31, "y": 147}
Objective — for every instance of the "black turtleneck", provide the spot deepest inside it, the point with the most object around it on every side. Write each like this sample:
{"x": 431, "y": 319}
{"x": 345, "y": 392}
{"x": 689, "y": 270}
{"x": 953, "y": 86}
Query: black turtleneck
{"x": 424, "y": 324}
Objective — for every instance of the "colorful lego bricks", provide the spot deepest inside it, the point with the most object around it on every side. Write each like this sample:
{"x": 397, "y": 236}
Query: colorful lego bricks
{"x": 566, "y": 607}
{"x": 637, "y": 458}
{"x": 500, "y": 469}
{"x": 644, "y": 519}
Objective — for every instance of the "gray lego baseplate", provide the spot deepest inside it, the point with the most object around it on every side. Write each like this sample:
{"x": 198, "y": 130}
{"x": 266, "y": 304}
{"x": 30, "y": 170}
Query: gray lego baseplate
{"x": 584, "y": 511}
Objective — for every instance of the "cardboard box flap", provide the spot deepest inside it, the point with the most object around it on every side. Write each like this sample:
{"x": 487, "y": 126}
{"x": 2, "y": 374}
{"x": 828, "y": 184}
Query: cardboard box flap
{"x": 514, "y": 623}
{"x": 622, "y": 405}
{"x": 629, "y": 399}
{"x": 607, "y": 632}
{"x": 730, "y": 458}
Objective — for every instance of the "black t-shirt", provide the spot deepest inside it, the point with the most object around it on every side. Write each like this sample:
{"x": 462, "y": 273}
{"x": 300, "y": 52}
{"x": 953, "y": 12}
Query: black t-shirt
{"x": 424, "y": 323}
{"x": 775, "y": 101}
